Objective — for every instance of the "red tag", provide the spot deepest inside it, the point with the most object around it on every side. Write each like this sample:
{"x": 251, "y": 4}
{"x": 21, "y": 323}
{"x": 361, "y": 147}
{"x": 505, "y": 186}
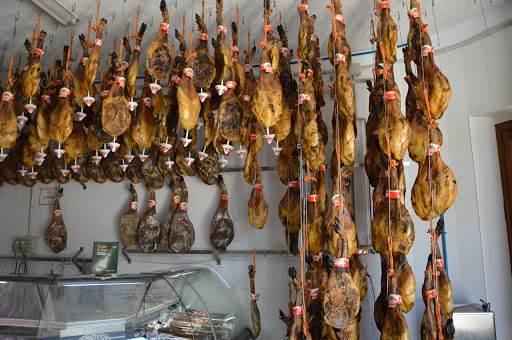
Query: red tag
{"x": 247, "y": 68}
{"x": 384, "y": 4}
{"x": 258, "y": 186}
{"x": 303, "y": 7}
{"x": 433, "y": 148}
{"x": 246, "y": 98}
{"x": 269, "y": 28}
{"x": 319, "y": 60}
{"x": 426, "y": 50}
{"x": 221, "y": 28}
{"x": 133, "y": 205}
{"x": 98, "y": 42}
{"x": 393, "y": 194}
{"x": 293, "y": 184}
{"x": 375, "y": 132}
{"x": 297, "y": 310}
{"x": 44, "y": 97}
{"x": 339, "y": 57}
{"x": 283, "y": 51}
{"x": 397, "y": 299}
{"x": 389, "y": 95}
{"x": 189, "y": 72}
{"x": 408, "y": 79}
{"x": 310, "y": 73}
{"x": 176, "y": 80}
{"x": 224, "y": 197}
{"x": 39, "y": 52}
{"x": 7, "y": 96}
{"x": 58, "y": 82}
{"x": 64, "y": 92}
{"x": 293, "y": 112}
{"x": 146, "y": 101}
{"x": 418, "y": 105}
{"x": 137, "y": 48}
{"x": 439, "y": 263}
{"x": 104, "y": 93}
{"x": 318, "y": 257}
{"x": 183, "y": 206}
{"x": 164, "y": 27}
{"x": 267, "y": 67}
{"x": 121, "y": 81}
{"x": 253, "y": 137}
{"x": 176, "y": 199}
{"x": 413, "y": 13}
{"x": 313, "y": 38}
{"x": 83, "y": 60}
{"x": 151, "y": 203}
{"x": 231, "y": 84}
{"x": 235, "y": 49}
{"x": 57, "y": 213}
{"x": 341, "y": 262}
{"x": 431, "y": 294}
{"x": 340, "y": 18}
{"x": 313, "y": 293}
{"x": 337, "y": 199}
{"x": 203, "y": 36}
{"x": 255, "y": 297}
{"x": 322, "y": 167}
{"x": 312, "y": 198}
{"x": 304, "y": 98}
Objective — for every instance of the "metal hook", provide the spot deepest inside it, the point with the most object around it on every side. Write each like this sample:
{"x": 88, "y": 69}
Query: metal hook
{"x": 138, "y": 8}
{"x": 151, "y": 22}
{"x": 73, "y": 7}
{"x": 89, "y": 19}
{"x": 73, "y": 34}
{"x": 45, "y": 49}
{"x": 51, "y": 38}
{"x": 98, "y": 2}
{"x": 113, "y": 14}
{"x": 210, "y": 11}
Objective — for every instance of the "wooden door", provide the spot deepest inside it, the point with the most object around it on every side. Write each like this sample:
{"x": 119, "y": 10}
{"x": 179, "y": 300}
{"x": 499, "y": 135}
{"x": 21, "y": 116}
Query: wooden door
{"x": 504, "y": 138}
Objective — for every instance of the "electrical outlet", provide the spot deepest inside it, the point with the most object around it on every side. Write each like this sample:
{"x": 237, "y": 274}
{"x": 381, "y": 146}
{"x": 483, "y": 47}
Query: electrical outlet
{"x": 27, "y": 245}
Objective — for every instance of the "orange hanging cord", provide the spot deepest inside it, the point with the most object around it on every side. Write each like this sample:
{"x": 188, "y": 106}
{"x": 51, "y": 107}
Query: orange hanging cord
{"x": 120, "y": 57}
{"x": 9, "y": 79}
{"x": 136, "y": 34}
{"x": 95, "y": 27}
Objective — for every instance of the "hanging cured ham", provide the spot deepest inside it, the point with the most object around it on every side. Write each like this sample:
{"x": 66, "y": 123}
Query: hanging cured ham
{"x": 76, "y": 142}
{"x": 296, "y": 329}
{"x": 149, "y": 228}
{"x": 8, "y": 122}
{"x": 203, "y": 65}
{"x": 166, "y": 223}
{"x": 181, "y": 235}
{"x": 208, "y": 168}
{"x": 186, "y": 156}
{"x": 93, "y": 62}
{"x": 149, "y": 169}
{"x": 32, "y": 76}
{"x": 289, "y": 207}
{"x": 115, "y": 113}
{"x": 394, "y": 326}
{"x": 79, "y": 91}
{"x": 130, "y": 220}
{"x": 111, "y": 168}
{"x": 314, "y": 222}
{"x": 158, "y": 56}
{"x": 56, "y": 236}
{"x": 133, "y": 69}
{"x": 257, "y": 206}
{"x": 222, "y": 230}
{"x": 144, "y": 127}
{"x": 79, "y": 173}
{"x": 222, "y": 54}
{"x": 341, "y": 299}
{"x": 255, "y": 312}
{"x": 266, "y": 103}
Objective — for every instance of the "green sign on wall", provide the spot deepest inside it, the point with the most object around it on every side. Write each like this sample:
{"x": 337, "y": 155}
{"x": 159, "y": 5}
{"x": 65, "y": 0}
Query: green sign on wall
{"x": 104, "y": 258}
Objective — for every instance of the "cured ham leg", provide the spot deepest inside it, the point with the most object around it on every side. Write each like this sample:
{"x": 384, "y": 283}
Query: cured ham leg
{"x": 61, "y": 118}
{"x": 144, "y": 127}
{"x": 129, "y": 222}
{"x": 315, "y": 222}
{"x": 222, "y": 230}
{"x": 32, "y": 76}
{"x": 257, "y": 206}
{"x": 8, "y": 122}
{"x": 115, "y": 113}
{"x": 167, "y": 222}
{"x": 133, "y": 69}
{"x": 149, "y": 229}
{"x": 181, "y": 235}
{"x": 255, "y": 312}
{"x": 158, "y": 56}
{"x": 93, "y": 63}
{"x": 395, "y": 326}
{"x": 296, "y": 327}
{"x": 56, "y": 236}
{"x": 204, "y": 67}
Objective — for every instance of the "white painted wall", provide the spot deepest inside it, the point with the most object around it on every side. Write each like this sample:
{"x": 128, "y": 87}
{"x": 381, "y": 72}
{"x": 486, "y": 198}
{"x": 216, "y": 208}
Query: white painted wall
{"x": 476, "y": 236}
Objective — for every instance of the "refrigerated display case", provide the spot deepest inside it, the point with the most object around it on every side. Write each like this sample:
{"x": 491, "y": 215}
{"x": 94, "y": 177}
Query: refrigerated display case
{"x": 190, "y": 303}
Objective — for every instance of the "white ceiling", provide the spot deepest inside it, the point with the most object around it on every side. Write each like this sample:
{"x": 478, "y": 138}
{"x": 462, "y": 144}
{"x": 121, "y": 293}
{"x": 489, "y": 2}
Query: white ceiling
{"x": 448, "y": 13}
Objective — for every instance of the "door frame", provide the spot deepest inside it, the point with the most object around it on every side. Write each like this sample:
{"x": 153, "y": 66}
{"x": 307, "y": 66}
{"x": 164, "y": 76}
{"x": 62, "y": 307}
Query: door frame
{"x": 507, "y": 192}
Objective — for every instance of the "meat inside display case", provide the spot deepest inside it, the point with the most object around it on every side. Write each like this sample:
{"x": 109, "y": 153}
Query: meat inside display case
{"x": 193, "y": 303}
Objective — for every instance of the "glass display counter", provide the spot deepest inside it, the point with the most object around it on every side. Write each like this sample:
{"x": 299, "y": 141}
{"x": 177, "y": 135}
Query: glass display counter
{"x": 192, "y": 303}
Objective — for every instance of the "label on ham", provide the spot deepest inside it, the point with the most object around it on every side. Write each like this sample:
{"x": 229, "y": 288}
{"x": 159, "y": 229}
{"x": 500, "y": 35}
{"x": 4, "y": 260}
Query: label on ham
{"x": 339, "y": 57}
{"x": 313, "y": 293}
{"x": 247, "y": 68}
{"x": 341, "y": 262}
{"x": 303, "y": 7}
{"x": 431, "y": 294}
{"x": 176, "y": 80}
{"x": 418, "y": 105}
{"x": 121, "y": 81}
{"x": 6, "y": 96}
{"x": 297, "y": 310}
{"x": 183, "y": 206}
{"x": 83, "y": 60}
{"x": 426, "y": 49}
{"x": 246, "y": 98}
{"x": 258, "y": 186}
{"x": 310, "y": 73}
{"x": 44, "y": 97}
{"x": 337, "y": 199}
{"x": 224, "y": 197}
{"x": 284, "y": 51}
{"x": 253, "y": 137}
{"x": 312, "y": 198}
{"x": 39, "y": 52}
{"x": 57, "y": 213}
{"x": 203, "y": 36}
{"x": 221, "y": 28}
{"x": 176, "y": 199}
{"x": 147, "y": 101}
{"x": 151, "y": 203}
{"x": 413, "y": 13}
{"x": 303, "y": 97}
{"x": 389, "y": 95}
{"x": 189, "y": 72}
{"x": 322, "y": 167}
{"x": 439, "y": 263}
{"x": 133, "y": 205}
{"x": 318, "y": 257}
{"x": 433, "y": 148}
{"x": 408, "y": 79}
{"x": 98, "y": 42}
{"x": 235, "y": 49}
{"x": 319, "y": 60}
{"x": 314, "y": 38}
{"x": 340, "y": 18}
{"x": 137, "y": 48}
{"x": 64, "y": 92}
{"x": 293, "y": 184}
{"x": 267, "y": 67}
{"x": 164, "y": 27}
{"x": 58, "y": 82}
{"x": 125, "y": 65}
{"x": 384, "y": 4}
{"x": 104, "y": 93}
{"x": 393, "y": 194}
{"x": 231, "y": 84}
{"x": 395, "y": 298}
{"x": 255, "y": 297}
{"x": 269, "y": 28}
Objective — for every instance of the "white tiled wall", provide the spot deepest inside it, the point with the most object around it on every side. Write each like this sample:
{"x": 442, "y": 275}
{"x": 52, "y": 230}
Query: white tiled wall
{"x": 478, "y": 259}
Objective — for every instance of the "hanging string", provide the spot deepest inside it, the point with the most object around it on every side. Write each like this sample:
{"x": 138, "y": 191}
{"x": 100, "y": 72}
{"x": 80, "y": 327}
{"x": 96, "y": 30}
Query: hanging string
{"x": 9, "y": 79}
{"x": 136, "y": 33}
{"x": 120, "y": 57}
{"x": 68, "y": 73}
{"x": 89, "y": 34}
{"x": 95, "y": 27}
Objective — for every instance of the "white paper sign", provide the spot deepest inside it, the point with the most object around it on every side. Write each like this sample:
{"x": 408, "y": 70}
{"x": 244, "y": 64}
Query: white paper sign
{"x": 47, "y": 196}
